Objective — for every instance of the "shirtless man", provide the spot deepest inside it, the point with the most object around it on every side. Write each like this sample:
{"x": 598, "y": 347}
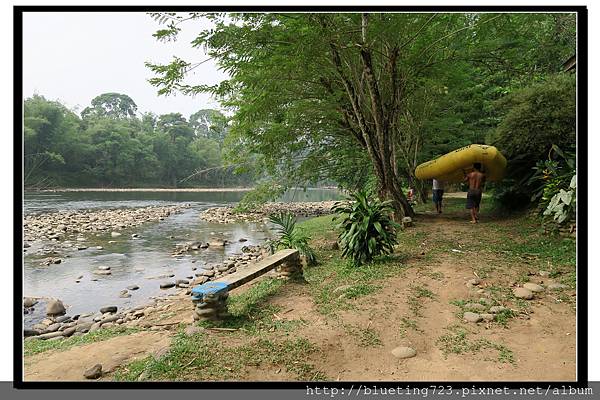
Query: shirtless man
{"x": 476, "y": 179}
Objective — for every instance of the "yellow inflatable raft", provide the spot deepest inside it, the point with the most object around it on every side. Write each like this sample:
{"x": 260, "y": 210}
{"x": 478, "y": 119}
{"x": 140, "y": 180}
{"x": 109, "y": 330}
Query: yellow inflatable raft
{"x": 453, "y": 166}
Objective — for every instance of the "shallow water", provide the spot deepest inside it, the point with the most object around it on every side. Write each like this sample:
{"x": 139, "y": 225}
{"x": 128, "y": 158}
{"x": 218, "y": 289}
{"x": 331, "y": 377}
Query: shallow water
{"x": 134, "y": 260}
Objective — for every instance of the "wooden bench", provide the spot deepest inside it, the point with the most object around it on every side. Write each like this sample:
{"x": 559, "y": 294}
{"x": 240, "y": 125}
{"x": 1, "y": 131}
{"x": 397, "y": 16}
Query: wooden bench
{"x": 210, "y": 299}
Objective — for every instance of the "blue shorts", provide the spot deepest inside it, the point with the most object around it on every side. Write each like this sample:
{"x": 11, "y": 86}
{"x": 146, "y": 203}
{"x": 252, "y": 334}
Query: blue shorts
{"x": 437, "y": 195}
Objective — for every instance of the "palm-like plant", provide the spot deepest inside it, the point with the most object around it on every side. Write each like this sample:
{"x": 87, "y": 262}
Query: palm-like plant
{"x": 367, "y": 227}
{"x": 291, "y": 237}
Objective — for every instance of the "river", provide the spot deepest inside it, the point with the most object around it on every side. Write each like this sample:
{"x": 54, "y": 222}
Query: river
{"x": 135, "y": 261}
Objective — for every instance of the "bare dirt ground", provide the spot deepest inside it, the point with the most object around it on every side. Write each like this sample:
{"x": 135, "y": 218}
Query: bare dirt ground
{"x": 538, "y": 344}
{"x": 69, "y": 365}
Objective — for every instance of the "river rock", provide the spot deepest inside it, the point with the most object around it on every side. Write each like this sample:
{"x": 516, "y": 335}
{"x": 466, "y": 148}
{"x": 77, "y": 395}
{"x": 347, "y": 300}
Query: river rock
{"x": 208, "y": 273}
{"x": 81, "y": 247}
{"x": 108, "y": 309}
{"x": 83, "y": 327}
{"x": 102, "y": 272}
{"x": 167, "y": 285}
{"x": 95, "y": 326}
{"x": 30, "y": 332}
{"x": 93, "y": 373}
{"x": 29, "y": 302}
{"x": 53, "y": 328}
{"x": 178, "y": 281}
{"x": 404, "y": 352}
{"x": 472, "y": 317}
{"x": 99, "y": 248}
{"x": 103, "y": 268}
{"x": 69, "y": 331}
{"x": 133, "y": 287}
{"x": 523, "y": 293}
{"x": 534, "y": 287}
{"x": 110, "y": 318}
{"x": 124, "y": 294}
{"x": 488, "y": 317}
{"x": 50, "y": 335}
{"x": 115, "y": 234}
{"x": 55, "y": 307}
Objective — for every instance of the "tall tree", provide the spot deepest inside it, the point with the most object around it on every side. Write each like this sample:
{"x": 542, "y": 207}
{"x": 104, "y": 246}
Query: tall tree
{"x": 113, "y": 105}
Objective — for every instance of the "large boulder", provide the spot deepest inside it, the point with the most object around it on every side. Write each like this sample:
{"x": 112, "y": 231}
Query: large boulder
{"x": 55, "y": 307}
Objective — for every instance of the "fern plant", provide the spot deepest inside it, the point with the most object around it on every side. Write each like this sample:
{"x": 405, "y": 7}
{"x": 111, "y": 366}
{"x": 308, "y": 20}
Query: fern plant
{"x": 367, "y": 227}
{"x": 291, "y": 237}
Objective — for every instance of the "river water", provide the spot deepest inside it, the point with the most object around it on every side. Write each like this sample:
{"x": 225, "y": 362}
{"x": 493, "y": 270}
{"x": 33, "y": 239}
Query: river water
{"x": 140, "y": 260}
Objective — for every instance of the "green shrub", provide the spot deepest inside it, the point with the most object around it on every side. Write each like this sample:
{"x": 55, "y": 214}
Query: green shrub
{"x": 291, "y": 236}
{"x": 535, "y": 118}
{"x": 367, "y": 227}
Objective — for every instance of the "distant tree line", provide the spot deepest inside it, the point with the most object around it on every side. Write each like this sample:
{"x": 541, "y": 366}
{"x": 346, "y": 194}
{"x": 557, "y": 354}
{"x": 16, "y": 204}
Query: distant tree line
{"x": 110, "y": 145}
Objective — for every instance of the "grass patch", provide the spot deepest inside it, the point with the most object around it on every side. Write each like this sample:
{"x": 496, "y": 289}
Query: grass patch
{"x": 367, "y": 337}
{"x": 414, "y": 299}
{"x": 457, "y": 342}
{"x": 36, "y": 346}
{"x": 407, "y": 323}
{"x": 203, "y": 358}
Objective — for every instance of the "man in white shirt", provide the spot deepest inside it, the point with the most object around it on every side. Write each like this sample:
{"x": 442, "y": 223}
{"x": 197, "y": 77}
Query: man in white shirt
{"x": 438, "y": 194}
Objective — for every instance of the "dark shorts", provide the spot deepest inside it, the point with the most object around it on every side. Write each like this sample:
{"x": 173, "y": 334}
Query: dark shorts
{"x": 437, "y": 195}
{"x": 473, "y": 198}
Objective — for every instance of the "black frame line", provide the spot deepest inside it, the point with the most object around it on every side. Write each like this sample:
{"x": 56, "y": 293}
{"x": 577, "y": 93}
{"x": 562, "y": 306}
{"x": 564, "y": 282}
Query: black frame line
{"x": 582, "y": 223}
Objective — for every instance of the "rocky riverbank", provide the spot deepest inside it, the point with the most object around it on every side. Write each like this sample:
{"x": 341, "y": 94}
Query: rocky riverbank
{"x": 64, "y": 225}
{"x": 226, "y": 215}
{"x": 58, "y": 325}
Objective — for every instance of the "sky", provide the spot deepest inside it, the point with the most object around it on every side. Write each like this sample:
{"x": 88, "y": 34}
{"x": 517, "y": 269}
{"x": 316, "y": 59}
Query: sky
{"x": 74, "y": 57}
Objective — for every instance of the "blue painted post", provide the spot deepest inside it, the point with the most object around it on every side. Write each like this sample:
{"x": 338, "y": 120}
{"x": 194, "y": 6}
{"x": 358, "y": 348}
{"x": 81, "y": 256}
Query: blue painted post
{"x": 210, "y": 301}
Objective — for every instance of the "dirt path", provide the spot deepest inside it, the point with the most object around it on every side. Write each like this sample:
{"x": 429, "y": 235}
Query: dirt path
{"x": 417, "y": 308}
{"x": 69, "y": 365}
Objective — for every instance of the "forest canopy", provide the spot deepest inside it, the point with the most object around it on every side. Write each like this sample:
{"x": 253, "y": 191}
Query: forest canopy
{"x": 110, "y": 145}
{"x": 362, "y": 99}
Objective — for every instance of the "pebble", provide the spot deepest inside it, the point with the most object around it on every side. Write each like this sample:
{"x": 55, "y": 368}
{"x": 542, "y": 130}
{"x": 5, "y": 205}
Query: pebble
{"x": 115, "y": 234}
{"x": 472, "y": 317}
{"x": 474, "y": 282}
{"x": 167, "y": 285}
{"x": 104, "y": 268}
{"x": 523, "y": 293}
{"x": 102, "y": 272}
{"x": 133, "y": 287}
{"x": 534, "y": 287}
{"x": 404, "y": 352}
{"x": 488, "y": 317}
{"x": 93, "y": 373}
{"x": 108, "y": 309}
{"x": 497, "y": 309}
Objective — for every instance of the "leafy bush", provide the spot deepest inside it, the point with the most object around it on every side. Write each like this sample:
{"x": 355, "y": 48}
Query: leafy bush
{"x": 367, "y": 227}
{"x": 535, "y": 118}
{"x": 291, "y": 236}
{"x": 553, "y": 175}
{"x": 563, "y": 204}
